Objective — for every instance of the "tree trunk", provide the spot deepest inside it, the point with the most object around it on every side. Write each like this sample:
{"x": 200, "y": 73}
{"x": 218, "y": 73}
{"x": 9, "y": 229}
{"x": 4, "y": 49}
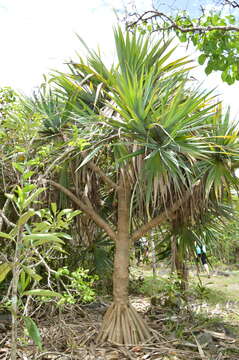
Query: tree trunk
{"x": 121, "y": 323}
{"x": 182, "y": 271}
{"x": 153, "y": 256}
{"x": 178, "y": 262}
{"x": 121, "y": 259}
{"x": 173, "y": 253}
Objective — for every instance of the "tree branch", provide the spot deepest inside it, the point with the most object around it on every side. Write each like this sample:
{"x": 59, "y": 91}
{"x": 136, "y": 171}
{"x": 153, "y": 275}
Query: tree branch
{"x": 153, "y": 14}
{"x": 159, "y": 219}
{"x": 56, "y": 162}
{"x": 103, "y": 176}
{"x": 89, "y": 210}
{"x": 98, "y": 171}
{"x": 90, "y": 164}
{"x": 233, "y": 4}
{"x": 5, "y": 219}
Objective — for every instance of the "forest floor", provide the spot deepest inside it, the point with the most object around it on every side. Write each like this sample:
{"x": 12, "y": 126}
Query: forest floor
{"x": 204, "y": 326}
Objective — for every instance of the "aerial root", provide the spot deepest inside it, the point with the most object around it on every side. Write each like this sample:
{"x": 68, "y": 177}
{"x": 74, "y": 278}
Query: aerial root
{"x": 123, "y": 325}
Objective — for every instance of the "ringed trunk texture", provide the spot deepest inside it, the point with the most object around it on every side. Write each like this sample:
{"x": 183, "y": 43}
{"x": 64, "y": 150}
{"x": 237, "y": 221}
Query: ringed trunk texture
{"x": 122, "y": 324}
{"x": 122, "y": 246}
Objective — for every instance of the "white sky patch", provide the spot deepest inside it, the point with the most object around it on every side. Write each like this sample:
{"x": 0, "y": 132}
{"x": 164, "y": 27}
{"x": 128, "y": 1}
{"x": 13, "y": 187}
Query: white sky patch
{"x": 39, "y": 36}
{"x": 211, "y": 7}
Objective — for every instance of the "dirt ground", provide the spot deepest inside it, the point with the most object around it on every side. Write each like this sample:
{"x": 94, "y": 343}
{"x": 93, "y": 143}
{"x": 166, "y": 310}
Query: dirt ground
{"x": 206, "y": 327}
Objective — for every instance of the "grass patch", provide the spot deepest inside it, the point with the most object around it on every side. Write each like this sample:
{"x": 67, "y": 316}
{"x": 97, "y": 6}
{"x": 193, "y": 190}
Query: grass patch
{"x": 151, "y": 286}
{"x": 212, "y": 296}
{"x": 229, "y": 286}
{"x": 219, "y": 289}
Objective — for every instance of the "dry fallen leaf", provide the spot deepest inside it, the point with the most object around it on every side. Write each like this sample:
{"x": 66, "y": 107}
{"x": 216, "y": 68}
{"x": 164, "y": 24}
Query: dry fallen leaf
{"x": 114, "y": 355}
{"x": 137, "y": 349}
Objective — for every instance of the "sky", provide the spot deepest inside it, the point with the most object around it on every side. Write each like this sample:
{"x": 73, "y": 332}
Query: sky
{"x": 38, "y": 36}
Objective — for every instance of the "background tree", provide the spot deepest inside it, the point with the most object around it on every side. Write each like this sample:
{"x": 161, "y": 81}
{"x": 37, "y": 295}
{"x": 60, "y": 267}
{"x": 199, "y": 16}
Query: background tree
{"x": 215, "y": 33}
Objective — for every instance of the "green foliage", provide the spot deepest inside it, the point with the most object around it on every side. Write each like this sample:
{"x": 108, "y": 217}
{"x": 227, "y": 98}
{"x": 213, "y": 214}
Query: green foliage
{"x": 80, "y": 285}
{"x": 33, "y": 331}
{"x": 212, "y": 296}
{"x": 42, "y": 292}
{"x": 4, "y": 268}
{"x": 170, "y": 136}
{"x": 139, "y": 116}
{"x": 226, "y": 249}
{"x": 98, "y": 256}
{"x": 219, "y": 48}
{"x": 201, "y": 291}
{"x": 7, "y": 100}
{"x": 28, "y": 240}
{"x": 164, "y": 292}
{"x": 35, "y": 235}
{"x": 165, "y": 286}
{"x": 55, "y": 219}
{"x": 164, "y": 130}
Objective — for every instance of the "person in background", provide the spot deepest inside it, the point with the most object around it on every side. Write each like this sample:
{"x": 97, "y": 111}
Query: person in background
{"x": 201, "y": 255}
{"x": 141, "y": 251}
{"x": 137, "y": 247}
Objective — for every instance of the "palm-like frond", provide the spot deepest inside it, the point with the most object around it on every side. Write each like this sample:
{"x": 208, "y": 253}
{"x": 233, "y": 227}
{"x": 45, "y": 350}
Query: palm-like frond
{"x": 206, "y": 230}
{"x": 139, "y": 114}
{"x": 222, "y": 144}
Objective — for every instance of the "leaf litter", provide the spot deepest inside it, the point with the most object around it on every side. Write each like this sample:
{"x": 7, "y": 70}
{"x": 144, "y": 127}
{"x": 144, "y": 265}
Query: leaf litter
{"x": 194, "y": 332}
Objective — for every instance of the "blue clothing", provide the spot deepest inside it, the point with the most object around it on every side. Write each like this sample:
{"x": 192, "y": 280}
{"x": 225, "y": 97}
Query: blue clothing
{"x": 200, "y": 249}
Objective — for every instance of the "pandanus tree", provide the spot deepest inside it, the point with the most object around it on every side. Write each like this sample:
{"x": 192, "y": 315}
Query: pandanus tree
{"x": 214, "y": 206}
{"x": 147, "y": 155}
